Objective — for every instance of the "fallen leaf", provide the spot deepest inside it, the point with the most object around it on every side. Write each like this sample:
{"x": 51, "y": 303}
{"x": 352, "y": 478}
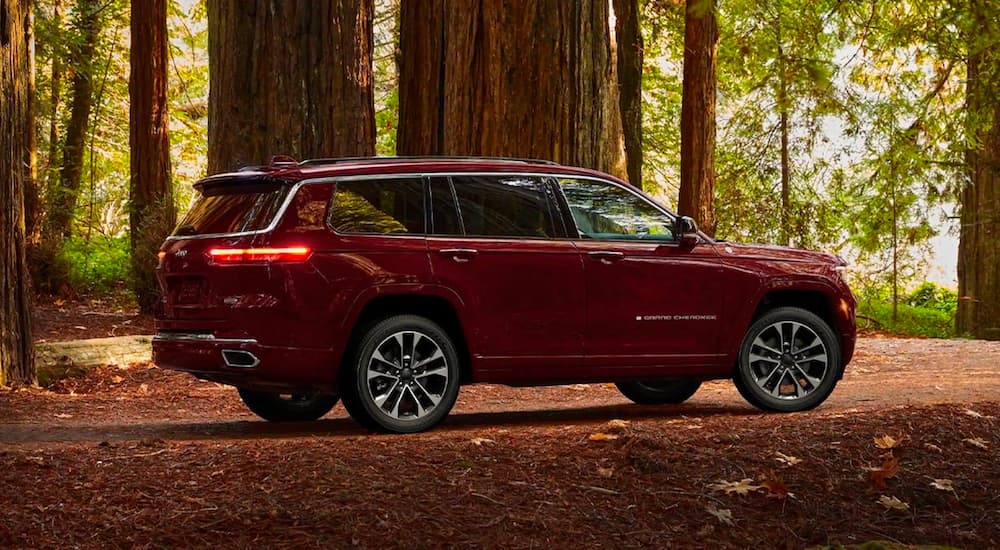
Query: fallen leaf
{"x": 776, "y": 489}
{"x": 972, "y": 413}
{"x": 480, "y": 441}
{"x": 933, "y": 447}
{"x": 943, "y": 485}
{"x": 741, "y": 487}
{"x": 723, "y": 515}
{"x": 601, "y": 436}
{"x": 618, "y": 423}
{"x": 605, "y": 472}
{"x": 786, "y": 459}
{"x": 889, "y": 442}
{"x": 143, "y": 388}
{"x": 893, "y": 503}
{"x": 116, "y": 379}
{"x": 888, "y": 469}
{"x": 977, "y": 442}
{"x": 63, "y": 415}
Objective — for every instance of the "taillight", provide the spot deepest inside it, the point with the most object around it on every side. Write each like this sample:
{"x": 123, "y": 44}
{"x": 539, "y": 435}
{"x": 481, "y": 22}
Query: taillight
{"x": 258, "y": 255}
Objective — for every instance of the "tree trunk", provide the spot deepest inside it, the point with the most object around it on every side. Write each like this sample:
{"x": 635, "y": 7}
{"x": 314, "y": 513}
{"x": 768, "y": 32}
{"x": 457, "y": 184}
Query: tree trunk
{"x": 786, "y": 169}
{"x": 62, "y": 199}
{"x": 151, "y": 201}
{"x": 701, "y": 36}
{"x": 289, "y": 78}
{"x": 979, "y": 237}
{"x": 517, "y": 78}
{"x": 17, "y": 131}
{"x": 628, "y": 35}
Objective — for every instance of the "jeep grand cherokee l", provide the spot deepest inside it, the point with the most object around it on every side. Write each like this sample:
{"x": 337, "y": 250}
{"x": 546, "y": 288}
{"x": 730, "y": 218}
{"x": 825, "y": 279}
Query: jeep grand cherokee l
{"x": 390, "y": 282}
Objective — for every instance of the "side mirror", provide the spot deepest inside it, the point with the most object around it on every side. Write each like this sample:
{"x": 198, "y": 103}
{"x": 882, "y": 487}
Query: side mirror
{"x": 686, "y": 231}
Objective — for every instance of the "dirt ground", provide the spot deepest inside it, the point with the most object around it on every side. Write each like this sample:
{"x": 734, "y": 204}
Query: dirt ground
{"x": 143, "y": 457}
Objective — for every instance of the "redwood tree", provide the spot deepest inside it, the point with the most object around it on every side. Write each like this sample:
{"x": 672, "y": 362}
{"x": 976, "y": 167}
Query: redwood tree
{"x": 516, "y": 78}
{"x": 979, "y": 238}
{"x": 292, "y": 78}
{"x": 151, "y": 202}
{"x": 701, "y": 37}
{"x": 17, "y": 130}
{"x": 628, "y": 35}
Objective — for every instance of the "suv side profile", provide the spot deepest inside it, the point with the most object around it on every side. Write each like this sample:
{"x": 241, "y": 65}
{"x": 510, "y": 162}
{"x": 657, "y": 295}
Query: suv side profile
{"x": 390, "y": 282}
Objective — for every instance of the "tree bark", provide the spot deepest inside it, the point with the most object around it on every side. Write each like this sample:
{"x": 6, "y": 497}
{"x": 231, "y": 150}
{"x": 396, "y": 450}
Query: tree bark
{"x": 289, "y": 78}
{"x": 62, "y": 198}
{"x": 979, "y": 237}
{"x": 628, "y": 36}
{"x": 516, "y": 78}
{"x": 151, "y": 201}
{"x": 17, "y": 131}
{"x": 701, "y": 37}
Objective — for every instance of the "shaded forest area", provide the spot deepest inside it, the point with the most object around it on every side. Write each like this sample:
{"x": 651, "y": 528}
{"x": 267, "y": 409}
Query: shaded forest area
{"x": 863, "y": 128}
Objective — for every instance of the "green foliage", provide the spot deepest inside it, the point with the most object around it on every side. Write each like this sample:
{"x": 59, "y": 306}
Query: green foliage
{"x": 97, "y": 267}
{"x": 928, "y": 311}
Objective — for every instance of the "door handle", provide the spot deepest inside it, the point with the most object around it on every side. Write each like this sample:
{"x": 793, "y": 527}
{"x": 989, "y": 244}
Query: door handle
{"x": 606, "y": 256}
{"x": 459, "y": 254}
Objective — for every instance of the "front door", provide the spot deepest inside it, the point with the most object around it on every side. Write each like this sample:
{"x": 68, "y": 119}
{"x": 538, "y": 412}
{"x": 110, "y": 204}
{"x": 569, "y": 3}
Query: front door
{"x": 651, "y": 302}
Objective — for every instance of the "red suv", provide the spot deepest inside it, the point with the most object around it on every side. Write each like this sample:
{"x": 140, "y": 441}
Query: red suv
{"x": 390, "y": 282}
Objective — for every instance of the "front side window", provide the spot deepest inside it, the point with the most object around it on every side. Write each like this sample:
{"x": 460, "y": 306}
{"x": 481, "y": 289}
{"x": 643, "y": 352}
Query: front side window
{"x": 383, "y": 206}
{"x": 504, "y": 206}
{"x": 605, "y": 211}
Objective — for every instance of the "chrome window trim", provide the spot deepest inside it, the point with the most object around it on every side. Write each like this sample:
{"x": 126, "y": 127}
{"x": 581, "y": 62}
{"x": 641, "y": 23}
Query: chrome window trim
{"x": 423, "y": 174}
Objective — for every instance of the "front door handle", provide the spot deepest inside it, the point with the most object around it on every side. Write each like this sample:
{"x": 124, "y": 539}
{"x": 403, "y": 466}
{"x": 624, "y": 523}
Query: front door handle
{"x": 606, "y": 256}
{"x": 459, "y": 254}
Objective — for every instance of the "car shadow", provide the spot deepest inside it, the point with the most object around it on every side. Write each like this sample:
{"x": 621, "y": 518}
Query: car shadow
{"x": 344, "y": 427}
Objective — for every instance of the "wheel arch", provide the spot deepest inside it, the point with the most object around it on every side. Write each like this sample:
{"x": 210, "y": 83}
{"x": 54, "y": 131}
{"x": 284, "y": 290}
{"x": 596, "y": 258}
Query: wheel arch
{"x": 435, "y": 305}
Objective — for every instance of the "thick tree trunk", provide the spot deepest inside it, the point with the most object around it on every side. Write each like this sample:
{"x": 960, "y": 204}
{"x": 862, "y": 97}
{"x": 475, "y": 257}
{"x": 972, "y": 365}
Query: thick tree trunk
{"x": 516, "y": 78}
{"x": 289, "y": 78}
{"x": 17, "y": 131}
{"x": 628, "y": 35}
{"x": 979, "y": 237}
{"x": 62, "y": 198}
{"x": 701, "y": 36}
{"x": 151, "y": 201}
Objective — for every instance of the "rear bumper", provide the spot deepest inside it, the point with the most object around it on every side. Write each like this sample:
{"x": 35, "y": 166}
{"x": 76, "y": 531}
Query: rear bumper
{"x": 246, "y": 363}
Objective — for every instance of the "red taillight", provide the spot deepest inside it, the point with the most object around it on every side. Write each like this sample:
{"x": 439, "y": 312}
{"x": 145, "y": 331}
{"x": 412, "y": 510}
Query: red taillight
{"x": 254, "y": 255}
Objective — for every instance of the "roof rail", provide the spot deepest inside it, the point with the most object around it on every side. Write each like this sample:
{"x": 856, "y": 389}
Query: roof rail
{"x": 339, "y": 160}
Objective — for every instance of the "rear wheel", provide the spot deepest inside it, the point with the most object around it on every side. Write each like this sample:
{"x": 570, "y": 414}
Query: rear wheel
{"x": 288, "y": 407}
{"x": 789, "y": 361}
{"x": 404, "y": 378}
{"x": 659, "y": 392}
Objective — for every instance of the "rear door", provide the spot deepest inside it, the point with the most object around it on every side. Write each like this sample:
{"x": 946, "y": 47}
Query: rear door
{"x": 498, "y": 242}
{"x": 651, "y": 302}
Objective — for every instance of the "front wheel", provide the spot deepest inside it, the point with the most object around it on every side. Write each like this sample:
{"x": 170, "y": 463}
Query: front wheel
{"x": 659, "y": 392}
{"x": 288, "y": 407}
{"x": 404, "y": 377}
{"x": 789, "y": 361}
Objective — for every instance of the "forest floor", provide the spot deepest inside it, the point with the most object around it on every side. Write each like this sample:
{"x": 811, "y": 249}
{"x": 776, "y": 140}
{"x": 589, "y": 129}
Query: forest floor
{"x": 138, "y": 456}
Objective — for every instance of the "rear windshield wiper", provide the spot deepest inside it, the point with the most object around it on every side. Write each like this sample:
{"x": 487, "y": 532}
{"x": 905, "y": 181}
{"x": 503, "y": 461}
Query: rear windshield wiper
{"x": 186, "y": 230}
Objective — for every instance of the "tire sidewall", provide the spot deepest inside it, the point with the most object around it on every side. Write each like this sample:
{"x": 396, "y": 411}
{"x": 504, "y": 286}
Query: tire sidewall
{"x": 377, "y": 419}
{"x": 744, "y": 377}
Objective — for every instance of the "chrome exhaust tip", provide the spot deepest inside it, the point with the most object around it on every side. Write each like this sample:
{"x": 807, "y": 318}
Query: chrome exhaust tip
{"x": 239, "y": 358}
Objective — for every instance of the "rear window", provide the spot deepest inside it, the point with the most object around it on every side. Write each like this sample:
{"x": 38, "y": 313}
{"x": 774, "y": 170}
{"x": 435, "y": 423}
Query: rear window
{"x": 233, "y": 209}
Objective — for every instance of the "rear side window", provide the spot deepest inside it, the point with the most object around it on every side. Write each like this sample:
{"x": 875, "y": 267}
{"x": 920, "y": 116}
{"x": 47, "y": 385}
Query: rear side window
{"x": 384, "y": 206}
{"x": 307, "y": 211}
{"x": 233, "y": 209}
{"x": 504, "y": 206}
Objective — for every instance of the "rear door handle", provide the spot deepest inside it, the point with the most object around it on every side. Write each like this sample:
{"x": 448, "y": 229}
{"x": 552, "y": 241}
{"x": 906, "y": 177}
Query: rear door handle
{"x": 606, "y": 256}
{"x": 459, "y": 254}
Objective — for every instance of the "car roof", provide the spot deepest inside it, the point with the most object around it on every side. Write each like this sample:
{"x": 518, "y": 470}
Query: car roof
{"x": 289, "y": 170}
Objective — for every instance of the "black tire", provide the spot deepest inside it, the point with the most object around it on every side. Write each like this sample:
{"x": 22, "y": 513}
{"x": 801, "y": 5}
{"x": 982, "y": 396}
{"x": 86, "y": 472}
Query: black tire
{"x": 284, "y": 407}
{"x": 659, "y": 392}
{"x": 787, "y": 372}
{"x": 426, "y": 393}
